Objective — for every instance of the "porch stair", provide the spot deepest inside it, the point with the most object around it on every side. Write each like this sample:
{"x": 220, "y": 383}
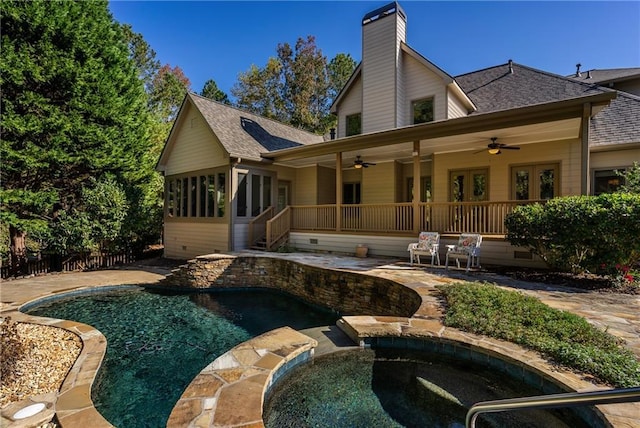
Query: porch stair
{"x": 260, "y": 244}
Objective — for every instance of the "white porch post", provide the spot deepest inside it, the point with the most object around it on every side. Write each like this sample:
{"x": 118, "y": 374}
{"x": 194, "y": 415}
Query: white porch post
{"x": 338, "y": 191}
{"x": 585, "y": 183}
{"x": 417, "y": 190}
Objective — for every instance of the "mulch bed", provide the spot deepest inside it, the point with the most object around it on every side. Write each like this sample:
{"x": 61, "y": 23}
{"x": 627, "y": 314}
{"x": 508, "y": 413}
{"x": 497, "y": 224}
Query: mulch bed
{"x": 584, "y": 281}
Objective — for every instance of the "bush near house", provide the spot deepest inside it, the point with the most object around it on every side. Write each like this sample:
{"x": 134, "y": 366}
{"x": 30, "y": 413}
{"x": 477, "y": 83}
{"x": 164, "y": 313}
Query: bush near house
{"x": 562, "y": 336}
{"x": 580, "y": 233}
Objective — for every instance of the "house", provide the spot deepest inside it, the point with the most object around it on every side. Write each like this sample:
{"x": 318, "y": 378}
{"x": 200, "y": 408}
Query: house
{"x": 416, "y": 149}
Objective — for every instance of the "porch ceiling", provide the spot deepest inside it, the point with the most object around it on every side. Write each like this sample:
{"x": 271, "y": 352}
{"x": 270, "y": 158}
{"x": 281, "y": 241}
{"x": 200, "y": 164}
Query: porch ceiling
{"x": 527, "y": 125}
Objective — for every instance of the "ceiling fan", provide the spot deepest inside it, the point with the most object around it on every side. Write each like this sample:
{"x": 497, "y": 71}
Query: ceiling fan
{"x": 496, "y": 148}
{"x": 359, "y": 163}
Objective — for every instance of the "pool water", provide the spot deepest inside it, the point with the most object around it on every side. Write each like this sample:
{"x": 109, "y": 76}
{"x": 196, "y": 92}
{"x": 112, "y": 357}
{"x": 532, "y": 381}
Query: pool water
{"x": 391, "y": 388}
{"x": 158, "y": 341}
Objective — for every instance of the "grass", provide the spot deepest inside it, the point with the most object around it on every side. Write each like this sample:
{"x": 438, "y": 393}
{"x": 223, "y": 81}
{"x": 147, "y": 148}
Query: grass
{"x": 562, "y": 336}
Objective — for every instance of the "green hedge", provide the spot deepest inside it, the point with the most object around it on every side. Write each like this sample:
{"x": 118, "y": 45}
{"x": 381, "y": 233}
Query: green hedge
{"x": 580, "y": 233}
{"x": 564, "y": 337}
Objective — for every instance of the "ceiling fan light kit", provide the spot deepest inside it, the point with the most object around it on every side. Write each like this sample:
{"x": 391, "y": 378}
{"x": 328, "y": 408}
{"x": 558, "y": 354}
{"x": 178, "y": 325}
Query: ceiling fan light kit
{"x": 495, "y": 148}
{"x": 359, "y": 163}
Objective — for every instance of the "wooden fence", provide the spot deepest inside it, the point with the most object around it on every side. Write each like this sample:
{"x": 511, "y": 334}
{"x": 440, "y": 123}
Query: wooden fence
{"x": 69, "y": 263}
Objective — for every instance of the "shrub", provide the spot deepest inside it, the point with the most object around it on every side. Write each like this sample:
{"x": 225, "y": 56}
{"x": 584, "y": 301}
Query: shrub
{"x": 579, "y": 233}
{"x": 564, "y": 337}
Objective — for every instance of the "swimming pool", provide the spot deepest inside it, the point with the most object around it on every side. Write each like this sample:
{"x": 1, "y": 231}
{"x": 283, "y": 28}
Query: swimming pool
{"x": 158, "y": 340}
{"x": 398, "y": 388}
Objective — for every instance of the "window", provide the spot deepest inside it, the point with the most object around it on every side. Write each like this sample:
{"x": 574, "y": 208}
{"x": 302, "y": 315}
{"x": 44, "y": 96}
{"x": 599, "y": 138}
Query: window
{"x": 534, "y": 182}
{"x": 422, "y": 111}
{"x": 196, "y": 196}
{"x": 254, "y": 194}
{"x": 354, "y": 124}
{"x": 606, "y": 181}
{"x": 425, "y": 187}
{"x": 469, "y": 185}
{"x": 351, "y": 193}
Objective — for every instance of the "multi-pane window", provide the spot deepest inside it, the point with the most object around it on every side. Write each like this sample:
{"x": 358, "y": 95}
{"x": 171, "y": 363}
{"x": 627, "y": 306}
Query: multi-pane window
{"x": 353, "y": 124}
{"x": 606, "y": 181}
{"x": 196, "y": 196}
{"x": 469, "y": 185}
{"x": 534, "y": 182}
{"x": 422, "y": 111}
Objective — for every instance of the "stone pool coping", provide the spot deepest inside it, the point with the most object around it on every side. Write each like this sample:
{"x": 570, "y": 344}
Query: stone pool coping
{"x": 73, "y": 404}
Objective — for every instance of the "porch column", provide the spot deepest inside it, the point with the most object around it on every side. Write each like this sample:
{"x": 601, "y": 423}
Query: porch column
{"x": 417, "y": 191}
{"x": 585, "y": 183}
{"x": 338, "y": 191}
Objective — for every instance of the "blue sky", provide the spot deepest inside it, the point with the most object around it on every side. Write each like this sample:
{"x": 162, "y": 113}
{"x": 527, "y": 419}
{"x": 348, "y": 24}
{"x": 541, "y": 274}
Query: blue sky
{"x": 219, "y": 39}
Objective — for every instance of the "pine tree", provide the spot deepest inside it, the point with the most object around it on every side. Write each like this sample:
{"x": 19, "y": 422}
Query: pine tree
{"x": 73, "y": 109}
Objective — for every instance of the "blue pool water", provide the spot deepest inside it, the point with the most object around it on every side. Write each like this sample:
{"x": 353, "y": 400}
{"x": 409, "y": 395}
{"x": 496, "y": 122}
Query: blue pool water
{"x": 158, "y": 341}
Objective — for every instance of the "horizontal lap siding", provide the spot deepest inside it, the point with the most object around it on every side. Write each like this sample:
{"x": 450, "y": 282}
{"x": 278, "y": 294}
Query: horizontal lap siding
{"x": 379, "y": 183}
{"x": 420, "y": 83}
{"x": 185, "y": 240}
{"x": 350, "y": 104}
{"x": 614, "y": 159}
{"x": 195, "y": 146}
{"x": 379, "y": 75}
{"x": 455, "y": 108}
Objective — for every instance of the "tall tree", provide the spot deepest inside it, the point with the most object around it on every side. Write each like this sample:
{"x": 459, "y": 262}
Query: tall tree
{"x": 73, "y": 108}
{"x": 168, "y": 88}
{"x": 339, "y": 70}
{"x": 210, "y": 90}
{"x": 305, "y": 83}
{"x": 143, "y": 56}
{"x": 296, "y": 87}
{"x": 258, "y": 90}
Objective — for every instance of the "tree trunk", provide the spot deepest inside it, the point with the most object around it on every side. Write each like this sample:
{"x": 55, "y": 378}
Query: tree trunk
{"x": 18, "y": 250}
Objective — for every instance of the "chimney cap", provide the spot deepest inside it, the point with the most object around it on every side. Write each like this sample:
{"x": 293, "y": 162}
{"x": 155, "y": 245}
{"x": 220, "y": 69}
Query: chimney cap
{"x": 578, "y": 65}
{"x": 383, "y": 11}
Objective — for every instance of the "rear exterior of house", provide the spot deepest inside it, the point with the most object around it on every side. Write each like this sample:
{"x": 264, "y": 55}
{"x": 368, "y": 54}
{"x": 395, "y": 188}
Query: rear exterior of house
{"x": 234, "y": 178}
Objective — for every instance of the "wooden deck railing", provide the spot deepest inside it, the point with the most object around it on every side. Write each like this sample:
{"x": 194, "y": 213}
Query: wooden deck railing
{"x": 258, "y": 226}
{"x": 444, "y": 217}
{"x": 278, "y": 228}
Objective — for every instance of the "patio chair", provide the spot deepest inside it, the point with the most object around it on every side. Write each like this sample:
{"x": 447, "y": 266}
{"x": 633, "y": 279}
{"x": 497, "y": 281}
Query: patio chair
{"x": 428, "y": 245}
{"x": 468, "y": 247}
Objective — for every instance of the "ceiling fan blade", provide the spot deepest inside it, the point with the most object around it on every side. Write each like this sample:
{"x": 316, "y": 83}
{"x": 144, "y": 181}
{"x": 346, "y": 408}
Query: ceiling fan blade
{"x": 510, "y": 147}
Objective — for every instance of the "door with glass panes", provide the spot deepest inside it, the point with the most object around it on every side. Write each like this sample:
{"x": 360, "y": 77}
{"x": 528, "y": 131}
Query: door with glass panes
{"x": 470, "y": 185}
{"x": 534, "y": 182}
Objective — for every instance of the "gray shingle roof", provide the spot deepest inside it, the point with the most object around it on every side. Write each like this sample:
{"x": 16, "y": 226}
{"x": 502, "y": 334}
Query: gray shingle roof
{"x": 245, "y": 134}
{"x": 495, "y": 88}
{"x": 617, "y": 124}
{"x": 607, "y": 75}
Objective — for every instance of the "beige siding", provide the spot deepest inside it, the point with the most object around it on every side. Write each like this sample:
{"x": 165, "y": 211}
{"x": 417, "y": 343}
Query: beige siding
{"x": 455, "y": 108}
{"x": 306, "y": 187}
{"x": 197, "y": 148}
{"x": 184, "y": 240}
{"x": 351, "y": 103}
{"x": 614, "y": 159}
{"x": 420, "y": 83}
{"x": 352, "y": 175}
{"x": 326, "y": 186}
{"x": 379, "y": 60}
{"x": 565, "y": 153}
{"x": 379, "y": 183}
{"x": 401, "y": 89}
